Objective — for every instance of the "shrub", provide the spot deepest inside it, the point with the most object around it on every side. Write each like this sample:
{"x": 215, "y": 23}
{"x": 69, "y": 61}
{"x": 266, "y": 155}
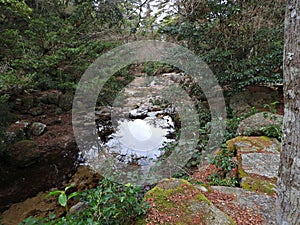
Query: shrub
{"x": 109, "y": 203}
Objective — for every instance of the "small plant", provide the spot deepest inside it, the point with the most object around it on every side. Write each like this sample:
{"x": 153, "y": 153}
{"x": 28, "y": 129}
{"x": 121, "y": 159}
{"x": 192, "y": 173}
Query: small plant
{"x": 272, "y": 131}
{"x": 109, "y": 203}
{"x": 216, "y": 179}
{"x": 63, "y": 198}
{"x": 271, "y": 107}
{"x": 223, "y": 161}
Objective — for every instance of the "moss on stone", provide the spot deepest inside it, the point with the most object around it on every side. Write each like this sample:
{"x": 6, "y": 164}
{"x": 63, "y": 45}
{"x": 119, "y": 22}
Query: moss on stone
{"x": 184, "y": 203}
{"x": 257, "y": 185}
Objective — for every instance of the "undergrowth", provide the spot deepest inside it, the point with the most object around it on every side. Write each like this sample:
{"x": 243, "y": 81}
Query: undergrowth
{"x": 109, "y": 203}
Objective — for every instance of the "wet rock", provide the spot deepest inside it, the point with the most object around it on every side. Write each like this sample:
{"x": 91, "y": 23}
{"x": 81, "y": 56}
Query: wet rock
{"x": 253, "y": 124}
{"x": 54, "y": 109}
{"x": 43, "y": 98}
{"x": 176, "y": 201}
{"x": 85, "y": 178}
{"x": 18, "y": 104}
{"x": 38, "y": 204}
{"x": 23, "y": 153}
{"x": 140, "y": 113}
{"x": 258, "y": 162}
{"x": 37, "y": 128}
{"x": 261, "y": 204}
{"x": 66, "y": 102}
{"x": 42, "y": 206}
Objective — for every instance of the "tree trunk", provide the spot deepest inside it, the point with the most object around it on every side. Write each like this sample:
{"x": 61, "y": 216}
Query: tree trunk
{"x": 288, "y": 202}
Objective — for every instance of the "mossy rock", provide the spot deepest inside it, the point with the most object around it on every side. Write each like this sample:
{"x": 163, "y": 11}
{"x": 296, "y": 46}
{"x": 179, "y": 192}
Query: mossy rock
{"x": 258, "y": 161}
{"x": 258, "y": 185}
{"x": 176, "y": 201}
{"x": 245, "y": 144}
{"x": 66, "y": 101}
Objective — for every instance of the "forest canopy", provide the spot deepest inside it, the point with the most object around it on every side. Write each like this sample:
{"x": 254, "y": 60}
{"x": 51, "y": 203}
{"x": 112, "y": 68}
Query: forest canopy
{"x": 49, "y": 44}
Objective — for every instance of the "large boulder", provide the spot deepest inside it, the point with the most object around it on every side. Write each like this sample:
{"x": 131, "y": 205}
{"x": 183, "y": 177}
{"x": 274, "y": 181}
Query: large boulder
{"x": 261, "y": 206}
{"x": 176, "y": 201}
{"x": 253, "y": 124}
{"x": 258, "y": 162}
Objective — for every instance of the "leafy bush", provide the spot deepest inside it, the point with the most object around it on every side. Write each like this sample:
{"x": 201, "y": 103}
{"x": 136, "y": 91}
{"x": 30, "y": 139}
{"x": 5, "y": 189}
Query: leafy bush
{"x": 110, "y": 203}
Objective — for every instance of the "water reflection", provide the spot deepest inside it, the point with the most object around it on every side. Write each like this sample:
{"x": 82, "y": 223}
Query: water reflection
{"x": 139, "y": 141}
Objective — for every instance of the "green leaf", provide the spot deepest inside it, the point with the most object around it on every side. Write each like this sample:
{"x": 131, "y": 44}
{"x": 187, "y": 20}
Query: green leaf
{"x": 62, "y": 199}
{"x": 73, "y": 195}
{"x": 68, "y": 187}
{"x": 53, "y": 193}
{"x": 52, "y": 216}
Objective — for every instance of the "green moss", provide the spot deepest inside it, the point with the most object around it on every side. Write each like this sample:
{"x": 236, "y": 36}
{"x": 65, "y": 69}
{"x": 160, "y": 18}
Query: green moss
{"x": 162, "y": 192}
{"x": 265, "y": 138}
{"x": 241, "y": 172}
{"x": 257, "y": 185}
{"x": 190, "y": 202}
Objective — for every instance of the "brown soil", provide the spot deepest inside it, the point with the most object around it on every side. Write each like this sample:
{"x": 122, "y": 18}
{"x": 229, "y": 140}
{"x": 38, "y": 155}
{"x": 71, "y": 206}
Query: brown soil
{"x": 42, "y": 206}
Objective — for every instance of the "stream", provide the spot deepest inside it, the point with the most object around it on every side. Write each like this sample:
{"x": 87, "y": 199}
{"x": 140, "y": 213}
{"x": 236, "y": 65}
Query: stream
{"x": 135, "y": 130}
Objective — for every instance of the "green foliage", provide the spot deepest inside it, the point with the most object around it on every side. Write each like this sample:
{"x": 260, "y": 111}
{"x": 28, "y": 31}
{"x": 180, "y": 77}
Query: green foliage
{"x": 272, "y": 131}
{"x": 110, "y": 203}
{"x": 223, "y": 161}
{"x": 235, "y": 38}
{"x": 271, "y": 107}
{"x": 114, "y": 85}
{"x": 155, "y": 68}
{"x": 15, "y": 7}
{"x": 53, "y": 47}
{"x": 63, "y": 198}
{"x": 217, "y": 180}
